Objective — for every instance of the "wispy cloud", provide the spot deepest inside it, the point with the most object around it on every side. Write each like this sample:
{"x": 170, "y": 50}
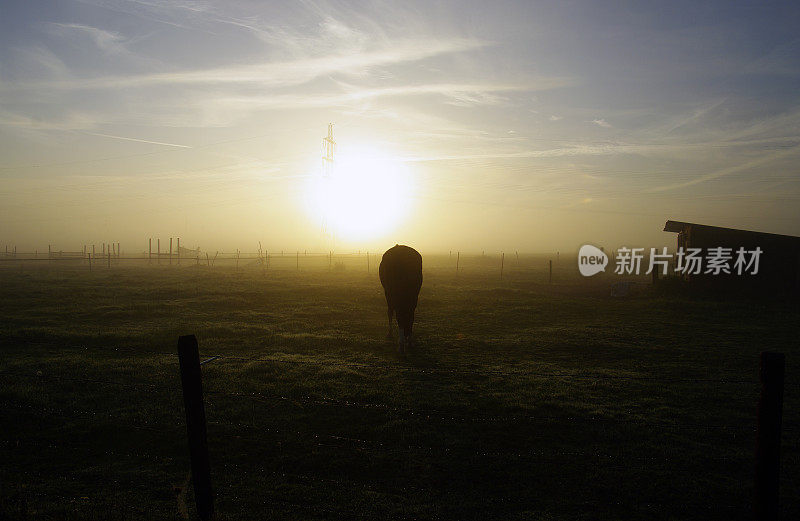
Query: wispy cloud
{"x": 136, "y": 140}
{"x": 457, "y": 94}
{"x": 285, "y": 73}
{"x": 107, "y": 41}
{"x": 600, "y": 122}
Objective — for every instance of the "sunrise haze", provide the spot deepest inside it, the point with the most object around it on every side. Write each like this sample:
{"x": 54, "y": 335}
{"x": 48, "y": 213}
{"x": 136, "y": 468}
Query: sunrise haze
{"x": 494, "y": 126}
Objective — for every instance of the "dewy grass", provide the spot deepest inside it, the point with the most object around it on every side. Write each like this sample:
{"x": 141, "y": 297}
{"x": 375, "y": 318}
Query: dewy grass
{"x": 521, "y": 400}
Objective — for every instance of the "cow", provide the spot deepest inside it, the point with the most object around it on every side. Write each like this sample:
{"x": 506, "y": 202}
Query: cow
{"x": 401, "y": 277}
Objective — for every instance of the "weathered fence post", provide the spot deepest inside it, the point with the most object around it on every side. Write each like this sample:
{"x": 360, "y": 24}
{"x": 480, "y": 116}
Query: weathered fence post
{"x": 90, "y": 262}
{"x": 768, "y": 436}
{"x": 191, "y": 381}
{"x": 109, "y": 259}
{"x": 170, "y": 251}
{"x": 150, "y": 251}
{"x": 179, "y": 251}
{"x": 458, "y": 260}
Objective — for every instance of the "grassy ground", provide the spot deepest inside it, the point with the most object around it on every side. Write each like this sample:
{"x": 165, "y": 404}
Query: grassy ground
{"x": 521, "y": 400}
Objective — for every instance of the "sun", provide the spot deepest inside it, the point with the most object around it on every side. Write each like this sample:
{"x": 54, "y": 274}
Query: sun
{"x": 366, "y": 195}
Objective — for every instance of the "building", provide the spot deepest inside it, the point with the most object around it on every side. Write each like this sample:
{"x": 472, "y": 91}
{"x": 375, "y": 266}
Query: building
{"x": 778, "y": 262}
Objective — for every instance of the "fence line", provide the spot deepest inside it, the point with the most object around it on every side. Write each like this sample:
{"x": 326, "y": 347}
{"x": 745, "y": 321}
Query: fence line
{"x": 338, "y": 442}
{"x": 85, "y": 414}
{"x": 470, "y": 370}
{"x": 458, "y": 371}
{"x": 450, "y": 416}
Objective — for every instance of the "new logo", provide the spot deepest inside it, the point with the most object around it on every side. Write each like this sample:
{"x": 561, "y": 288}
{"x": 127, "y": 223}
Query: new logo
{"x": 591, "y": 260}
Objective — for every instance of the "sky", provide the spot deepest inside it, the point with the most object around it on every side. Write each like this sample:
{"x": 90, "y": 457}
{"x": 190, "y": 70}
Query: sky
{"x": 501, "y": 126}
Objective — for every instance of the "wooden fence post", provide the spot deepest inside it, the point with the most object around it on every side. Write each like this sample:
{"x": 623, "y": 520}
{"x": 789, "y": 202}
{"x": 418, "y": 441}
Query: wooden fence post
{"x": 502, "y": 262}
{"x": 191, "y": 381}
{"x": 768, "y": 437}
{"x": 179, "y": 251}
{"x": 170, "y": 251}
{"x": 109, "y": 259}
{"x": 150, "y": 250}
{"x": 90, "y": 262}
{"x": 458, "y": 259}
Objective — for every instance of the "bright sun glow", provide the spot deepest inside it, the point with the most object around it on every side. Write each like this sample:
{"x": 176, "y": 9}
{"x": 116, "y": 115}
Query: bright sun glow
{"x": 367, "y": 194}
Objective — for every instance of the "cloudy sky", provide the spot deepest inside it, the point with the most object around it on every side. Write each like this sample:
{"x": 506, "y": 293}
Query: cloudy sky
{"x": 531, "y": 126}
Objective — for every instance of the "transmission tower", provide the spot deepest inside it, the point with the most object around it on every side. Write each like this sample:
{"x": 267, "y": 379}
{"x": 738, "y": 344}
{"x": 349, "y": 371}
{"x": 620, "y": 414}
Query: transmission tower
{"x": 328, "y": 150}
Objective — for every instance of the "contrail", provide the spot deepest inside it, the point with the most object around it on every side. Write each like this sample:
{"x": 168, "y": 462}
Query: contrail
{"x": 730, "y": 170}
{"x": 134, "y": 139}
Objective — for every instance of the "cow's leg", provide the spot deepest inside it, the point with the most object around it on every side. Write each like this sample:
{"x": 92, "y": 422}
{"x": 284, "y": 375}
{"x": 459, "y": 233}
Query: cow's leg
{"x": 401, "y": 339}
{"x": 408, "y": 331}
{"x": 390, "y": 313}
{"x": 403, "y": 331}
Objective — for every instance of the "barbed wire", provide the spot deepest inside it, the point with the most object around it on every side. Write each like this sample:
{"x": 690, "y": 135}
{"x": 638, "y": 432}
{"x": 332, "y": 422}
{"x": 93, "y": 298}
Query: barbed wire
{"x": 467, "y": 370}
{"x": 85, "y": 414}
{"x": 50, "y": 376}
{"x": 450, "y": 416}
{"x": 423, "y": 413}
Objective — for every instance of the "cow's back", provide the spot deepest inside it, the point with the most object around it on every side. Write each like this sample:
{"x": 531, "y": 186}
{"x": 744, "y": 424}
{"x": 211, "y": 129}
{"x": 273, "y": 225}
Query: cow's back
{"x": 400, "y": 271}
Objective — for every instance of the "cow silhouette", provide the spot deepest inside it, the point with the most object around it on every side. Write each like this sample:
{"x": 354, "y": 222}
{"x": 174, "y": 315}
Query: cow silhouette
{"x": 401, "y": 277}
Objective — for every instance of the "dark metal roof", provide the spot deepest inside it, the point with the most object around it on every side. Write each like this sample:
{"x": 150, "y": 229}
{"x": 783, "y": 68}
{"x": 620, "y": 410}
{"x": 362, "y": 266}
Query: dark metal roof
{"x": 679, "y": 226}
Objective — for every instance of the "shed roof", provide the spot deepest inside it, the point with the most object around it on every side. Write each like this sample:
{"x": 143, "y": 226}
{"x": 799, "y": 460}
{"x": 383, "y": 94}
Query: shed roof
{"x": 679, "y": 226}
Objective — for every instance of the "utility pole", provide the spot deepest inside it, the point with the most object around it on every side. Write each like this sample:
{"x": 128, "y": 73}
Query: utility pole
{"x": 328, "y": 151}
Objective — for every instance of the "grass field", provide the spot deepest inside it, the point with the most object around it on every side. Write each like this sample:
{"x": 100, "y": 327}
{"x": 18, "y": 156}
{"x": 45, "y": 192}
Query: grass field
{"x": 521, "y": 400}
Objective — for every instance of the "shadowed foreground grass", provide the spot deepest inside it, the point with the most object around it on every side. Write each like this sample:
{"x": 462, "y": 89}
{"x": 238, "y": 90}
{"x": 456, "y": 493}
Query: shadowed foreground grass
{"x": 521, "y": 400}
